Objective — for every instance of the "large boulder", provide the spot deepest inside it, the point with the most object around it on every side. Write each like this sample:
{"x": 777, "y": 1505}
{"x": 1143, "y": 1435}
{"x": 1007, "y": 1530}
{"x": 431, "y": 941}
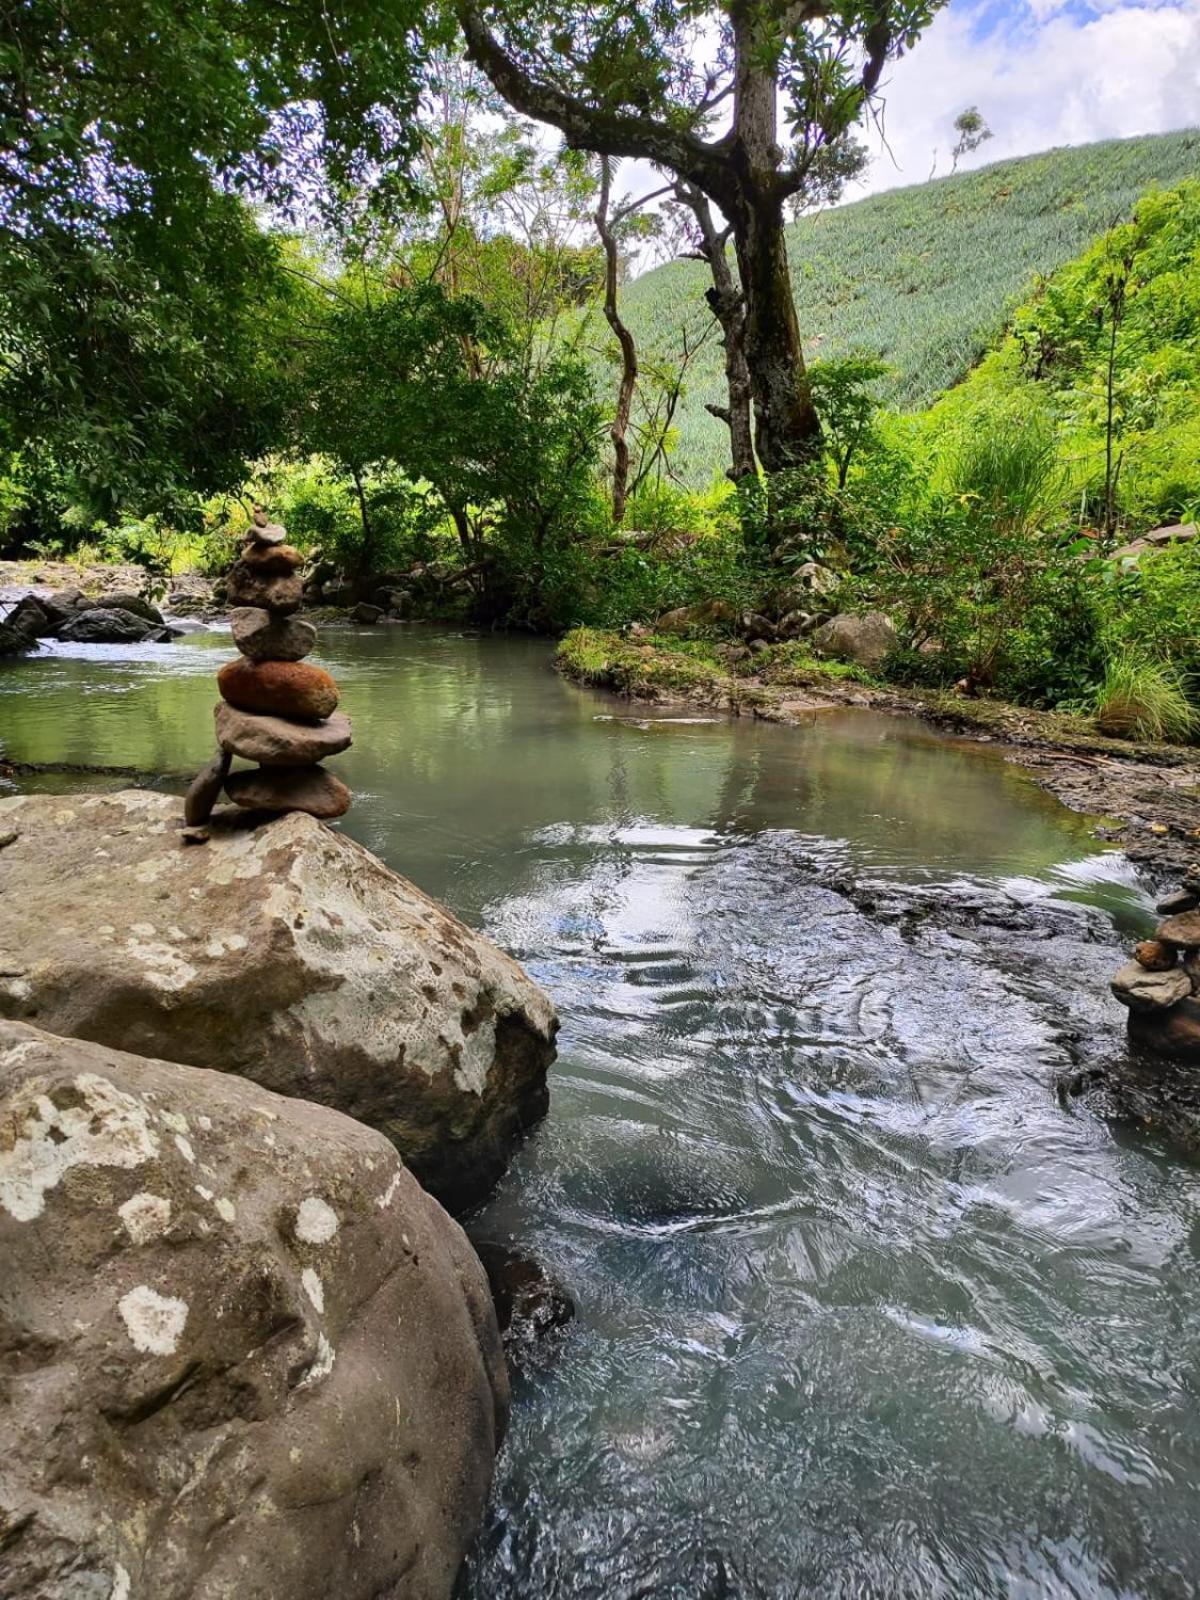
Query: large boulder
{"x": 284, "y": 952}
{"x": 245, "y": 1354}
{"x": 31, "y": 617}
{"x": 102, "y": 625}
{"x": 705, "y": 614}
{"x": 865, "y": 640}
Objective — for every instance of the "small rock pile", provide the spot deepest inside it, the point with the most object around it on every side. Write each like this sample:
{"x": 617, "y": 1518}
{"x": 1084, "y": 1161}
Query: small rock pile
{"x": 274, "y": 709}
{"x": 1161, "y": 985}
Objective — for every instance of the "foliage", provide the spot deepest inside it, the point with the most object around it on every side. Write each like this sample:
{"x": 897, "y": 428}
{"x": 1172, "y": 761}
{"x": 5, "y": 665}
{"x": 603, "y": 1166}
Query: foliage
{"x": 923, "y": 277}
{"x": 1152, "y": 607}
{"x": 989, "y": 589}
{"x": 1110, "y": 348}
{"x": 1141, "y": 698}
{"x": 140, "y": 300}
{"x": 844, "y": 390}
{"x": 408, "y": 380}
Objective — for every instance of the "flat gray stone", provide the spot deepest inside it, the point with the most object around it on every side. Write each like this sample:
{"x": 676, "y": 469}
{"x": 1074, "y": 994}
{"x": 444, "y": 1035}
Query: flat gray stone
{"x": 308, "y": 789}
{"x": 1150, "y": 991}
{"x": 267, "y": 533}
{"x": 278, "y": 741}
{"x": 262, "y": 637}
{"x": 1182, "y": 930}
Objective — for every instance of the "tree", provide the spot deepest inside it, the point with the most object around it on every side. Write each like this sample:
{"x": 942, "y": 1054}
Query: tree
{"x": 710, "y": 243}
{"x": 137, "y": 293}
{"x": 612, "y": 224}
{"x": 972, "y": 131}
{"x": 620, "y": 79}
{"x": 843, "y": 391}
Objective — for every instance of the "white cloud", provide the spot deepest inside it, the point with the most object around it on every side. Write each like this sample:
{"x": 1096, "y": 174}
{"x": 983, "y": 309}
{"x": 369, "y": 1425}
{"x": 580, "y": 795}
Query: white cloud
{"x": 1044, "y": 75}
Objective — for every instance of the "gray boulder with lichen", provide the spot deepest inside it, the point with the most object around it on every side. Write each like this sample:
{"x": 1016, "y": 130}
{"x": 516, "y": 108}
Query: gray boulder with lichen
{"x": 245, "y": 1353}
{"x": 281, "y": 951}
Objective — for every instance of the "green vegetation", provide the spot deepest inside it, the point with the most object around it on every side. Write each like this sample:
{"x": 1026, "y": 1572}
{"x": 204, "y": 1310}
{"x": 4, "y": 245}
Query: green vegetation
{"x": 373, "y": 305}
{"x": 922, "y": 279}
{"x": 1141, "y": 698}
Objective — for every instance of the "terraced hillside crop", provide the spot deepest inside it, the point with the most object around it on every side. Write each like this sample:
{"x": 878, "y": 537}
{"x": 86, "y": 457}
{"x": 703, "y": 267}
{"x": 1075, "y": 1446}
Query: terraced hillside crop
{"x": 923, "y": 277}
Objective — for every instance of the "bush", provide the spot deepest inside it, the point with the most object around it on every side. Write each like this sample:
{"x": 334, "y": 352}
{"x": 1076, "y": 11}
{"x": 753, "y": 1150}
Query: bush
{"x": 1141, "y": 698}
{"x": 1152, "y": 608}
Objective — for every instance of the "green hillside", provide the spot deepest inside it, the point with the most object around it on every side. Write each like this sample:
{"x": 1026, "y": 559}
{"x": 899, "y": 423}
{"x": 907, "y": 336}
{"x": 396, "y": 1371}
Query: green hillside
{"x": 924, "y": 277}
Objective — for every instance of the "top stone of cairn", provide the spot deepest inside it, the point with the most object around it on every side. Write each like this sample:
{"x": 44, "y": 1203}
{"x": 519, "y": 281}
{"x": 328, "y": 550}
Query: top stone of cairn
{"x": 263, "y": 530}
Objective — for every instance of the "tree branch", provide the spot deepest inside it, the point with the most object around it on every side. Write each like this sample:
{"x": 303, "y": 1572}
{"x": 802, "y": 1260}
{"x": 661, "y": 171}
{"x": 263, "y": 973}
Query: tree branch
{"x": 588, "y": 126}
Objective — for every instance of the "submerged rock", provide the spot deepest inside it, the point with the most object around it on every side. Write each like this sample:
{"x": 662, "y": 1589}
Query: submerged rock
{"x": 533, "y": 1309}
{"x": 247, "y": 1354}
{"x": 1173, "y": 1033}
{"x": 284, "y": 952}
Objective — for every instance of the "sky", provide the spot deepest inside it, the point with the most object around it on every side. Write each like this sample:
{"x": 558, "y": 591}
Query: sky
{"x": 1042, "y": 73}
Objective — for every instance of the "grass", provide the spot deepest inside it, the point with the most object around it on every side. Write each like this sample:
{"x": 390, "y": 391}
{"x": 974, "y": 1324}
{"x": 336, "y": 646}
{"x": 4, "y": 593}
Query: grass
{"x": 923, "y": 277}
{"x": 1144, "y": 699}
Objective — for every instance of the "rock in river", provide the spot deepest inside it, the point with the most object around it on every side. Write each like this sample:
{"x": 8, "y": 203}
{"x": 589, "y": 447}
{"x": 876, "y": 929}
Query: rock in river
{"x": 265, "y": 638}
{"x": 244, "y": 1353}
{"x": 309, "y": 789}
{"x": 284, "y": 952}
{"x": 100, "y": 625}
{"x": 1141, "y": 990}
{"x": 1182, "y": 930}
{"x": 278, "y": 741}
{"x": 285, "y": 688}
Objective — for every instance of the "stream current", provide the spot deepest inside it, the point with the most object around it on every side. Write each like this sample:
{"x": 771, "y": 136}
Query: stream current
{"x": 864, "y": 1307}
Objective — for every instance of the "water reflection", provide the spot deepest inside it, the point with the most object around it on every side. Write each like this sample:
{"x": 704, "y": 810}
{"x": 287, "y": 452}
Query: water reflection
{"x": 863, "y": 1311}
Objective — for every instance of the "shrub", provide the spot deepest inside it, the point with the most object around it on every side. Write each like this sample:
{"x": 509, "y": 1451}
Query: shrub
{"x": 1141, "y": 698}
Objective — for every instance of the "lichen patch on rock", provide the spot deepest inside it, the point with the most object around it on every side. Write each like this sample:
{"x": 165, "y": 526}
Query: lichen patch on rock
{"x": 153, "y": 1321}
{"x": 97, "y": 1126}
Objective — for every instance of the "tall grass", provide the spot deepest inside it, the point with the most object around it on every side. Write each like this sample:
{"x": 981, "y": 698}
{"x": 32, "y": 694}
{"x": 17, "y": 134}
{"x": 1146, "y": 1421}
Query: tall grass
{"x": 1141, "y": 698}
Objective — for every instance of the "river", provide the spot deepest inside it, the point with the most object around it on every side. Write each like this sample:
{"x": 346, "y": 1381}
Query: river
{"x": 865, "y": 1308}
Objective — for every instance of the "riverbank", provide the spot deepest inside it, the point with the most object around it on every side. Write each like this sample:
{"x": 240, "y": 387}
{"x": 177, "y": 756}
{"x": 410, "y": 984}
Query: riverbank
{"x": 1147, "y": 795}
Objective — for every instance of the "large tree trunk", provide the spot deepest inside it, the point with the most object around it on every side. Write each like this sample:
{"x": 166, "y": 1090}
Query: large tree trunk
{"x": 787, "y": 429}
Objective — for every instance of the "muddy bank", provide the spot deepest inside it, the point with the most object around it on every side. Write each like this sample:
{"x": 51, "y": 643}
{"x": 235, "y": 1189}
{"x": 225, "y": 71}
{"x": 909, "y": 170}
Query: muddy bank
{"x": 1146, "y": 795}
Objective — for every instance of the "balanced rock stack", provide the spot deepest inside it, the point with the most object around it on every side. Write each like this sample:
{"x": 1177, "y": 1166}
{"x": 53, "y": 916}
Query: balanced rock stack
{"x": 275, "y": 709}
{"x": 1161, "y": 985}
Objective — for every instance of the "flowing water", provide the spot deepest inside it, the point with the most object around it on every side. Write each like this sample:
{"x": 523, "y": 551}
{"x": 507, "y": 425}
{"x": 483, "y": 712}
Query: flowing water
{"x": 865, "y": 1308}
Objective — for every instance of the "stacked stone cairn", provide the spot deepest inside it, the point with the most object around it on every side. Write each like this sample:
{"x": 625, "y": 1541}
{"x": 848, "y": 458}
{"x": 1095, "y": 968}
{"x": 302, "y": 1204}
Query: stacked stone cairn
{"x": 275, "y": 709}
{"x": 1161, "y": 985}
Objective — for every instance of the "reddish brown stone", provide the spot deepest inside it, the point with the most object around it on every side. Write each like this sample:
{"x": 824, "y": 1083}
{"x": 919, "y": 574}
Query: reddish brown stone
{"x": 1154, "y": 955}
{"x": 310, "y": 789}
{"x": 277, "y": 592}
{"x": 285, "y": 688}
{"x": 266, "y": 558}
